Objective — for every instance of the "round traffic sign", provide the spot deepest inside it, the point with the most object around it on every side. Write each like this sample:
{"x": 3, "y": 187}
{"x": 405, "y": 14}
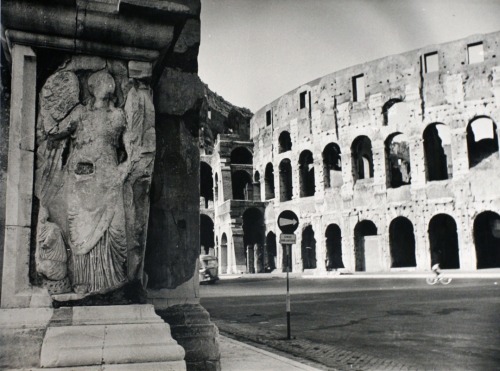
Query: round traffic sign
{"x": 288, "y": 221}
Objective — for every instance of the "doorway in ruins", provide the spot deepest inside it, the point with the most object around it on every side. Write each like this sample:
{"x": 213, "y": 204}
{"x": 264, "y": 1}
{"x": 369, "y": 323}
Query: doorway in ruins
{"x": 206, "y": 185}
{"x": 333, "y": 247}
{"x": 397, "y": 154}
{"x": 361, "y": 231}
{"x": 332, "y": 166}
{"x": 223, "y": 254}
{"x": 269, "y": 181}
{"x": 402, "y": 243}
{"x": 206, "y": 235}
{"x": 487, "y": 240}
{"x": 286, "y": 188}
{"x": 270, "y": 252}
{"x": 437, "y": 152}
{"x": 253, "y": 240}
{"x": 362, "y": 158}
{"x": 284, "y": 142}
{"x": 306, "y": 174}
{"x": 308, "y": 248}
{"x": 443, "y": 240}
{"x": 241, "y": 182}
{"x": 482, "y": 140}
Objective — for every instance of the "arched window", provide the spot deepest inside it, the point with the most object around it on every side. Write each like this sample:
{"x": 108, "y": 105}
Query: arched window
{"x": 223, "y": 254}
{"x": 256, "y": 177}
{"x": 363, "y": 229}
{"x": 362, "y": 158}
{"x": 402, "y": 243}
{"x": 487, "y": 239}
{"x": 437, "y": 149}
{"x": 333, "y": 247}
{"x": 332, "y": 166}
{"x": 286, "y": 188}
{"x": 269, "y": 180}
{"x": 482, "y": 139}
{"x": 306, "y": 170}
{"x": 285, "y": 142}
{"x": 206, "y": 183}
{"x": 270, "y": 252}
{"x": 397, "y": 154}
{"x": 308, "y": 248}
{"x": 253, "y": 239}
{"x": 388, "y": 110}
{"x": 443, "y": 241}
{"x": 241, "y": 156}
{"x": 241, "y": 182}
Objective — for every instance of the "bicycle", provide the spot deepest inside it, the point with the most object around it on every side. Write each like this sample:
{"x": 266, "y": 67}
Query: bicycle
{"x": 442, "y": 279}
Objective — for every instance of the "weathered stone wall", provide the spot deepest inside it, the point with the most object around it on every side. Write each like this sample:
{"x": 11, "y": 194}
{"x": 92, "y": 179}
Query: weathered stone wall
{"x": 454, "y": 95}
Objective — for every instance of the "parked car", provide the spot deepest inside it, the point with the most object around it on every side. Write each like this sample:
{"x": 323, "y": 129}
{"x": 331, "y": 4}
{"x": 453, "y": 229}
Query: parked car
{"x": 209, "y": 266}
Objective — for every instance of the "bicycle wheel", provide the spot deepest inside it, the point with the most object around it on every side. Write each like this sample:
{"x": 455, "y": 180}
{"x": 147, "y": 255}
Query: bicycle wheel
{"x": 445, "y": 280}
{"x": 431, "y": 280}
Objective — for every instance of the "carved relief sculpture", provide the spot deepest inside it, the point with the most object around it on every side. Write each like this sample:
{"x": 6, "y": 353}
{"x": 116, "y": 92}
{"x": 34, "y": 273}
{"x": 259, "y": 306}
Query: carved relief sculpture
{"x": 94, "y": 164}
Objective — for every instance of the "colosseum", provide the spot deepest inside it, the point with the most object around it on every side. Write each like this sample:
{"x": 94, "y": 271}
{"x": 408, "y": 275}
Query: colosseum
{"x": 390, "y": 165}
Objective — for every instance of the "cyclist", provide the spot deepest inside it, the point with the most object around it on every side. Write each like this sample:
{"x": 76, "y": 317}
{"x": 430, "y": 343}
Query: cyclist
{"x": 437, "y": 271}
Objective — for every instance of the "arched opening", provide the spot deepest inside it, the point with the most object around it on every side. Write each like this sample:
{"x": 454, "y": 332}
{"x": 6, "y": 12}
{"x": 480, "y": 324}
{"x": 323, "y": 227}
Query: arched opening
{"x": 362, "y": 158}
{"x": 332, "y": 166}
{"x": 333, "y": 247}
{"x": 216, "y": 188}
{"x": 256, "y": 177}
{"x": 269, "y": 181}
{"x": 306, "y": 170}
{"x": 402, "y": 243}
{"x": 206, "y": 184}
{"x": 443, "y": 241}
{"x": 361, "y": 231}
{"x": 482, "y": 139}
{"x": 241, "y": 156}
{"x": 241, "y": 182}
{"x": 253, "y": 239}
{"x": 437, "y": 150}
{"x": 286, "y": 187}
{"x": 285, "y": 142}
{"x": 270, "y": 253}
{"x": 308, "y": 248}
{"x": 387, "y": 112}
{"x": 397, "y": 154}
{"x": 487, "y": 240}
{"x": 206, "y": 235}
{"x": 223, "y": 254}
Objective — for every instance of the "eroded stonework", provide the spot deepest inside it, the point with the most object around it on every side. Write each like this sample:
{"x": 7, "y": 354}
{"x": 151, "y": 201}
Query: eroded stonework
{"x": 96, "y": 147}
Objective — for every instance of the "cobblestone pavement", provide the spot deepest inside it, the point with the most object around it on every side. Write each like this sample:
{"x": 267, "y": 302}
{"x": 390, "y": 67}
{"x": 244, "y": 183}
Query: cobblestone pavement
{"x": 331, "y": 356}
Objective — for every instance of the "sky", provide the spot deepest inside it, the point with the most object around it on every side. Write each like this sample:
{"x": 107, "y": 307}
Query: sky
{"x": 254, "y": 51}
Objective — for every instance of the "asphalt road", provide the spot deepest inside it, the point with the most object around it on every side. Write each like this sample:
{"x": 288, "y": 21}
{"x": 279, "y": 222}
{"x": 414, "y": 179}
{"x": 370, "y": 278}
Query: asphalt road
{"x": 366, "y": 324}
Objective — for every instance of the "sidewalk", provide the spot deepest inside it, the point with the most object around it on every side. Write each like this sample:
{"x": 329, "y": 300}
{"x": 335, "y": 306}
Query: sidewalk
{"x": 238, "y": 356}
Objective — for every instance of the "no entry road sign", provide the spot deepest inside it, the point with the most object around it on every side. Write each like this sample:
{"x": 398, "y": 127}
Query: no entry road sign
{"x": 288, "y": 222}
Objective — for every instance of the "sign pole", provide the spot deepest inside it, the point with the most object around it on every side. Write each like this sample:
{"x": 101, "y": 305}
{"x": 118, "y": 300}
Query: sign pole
{"x": 287, "y": 293}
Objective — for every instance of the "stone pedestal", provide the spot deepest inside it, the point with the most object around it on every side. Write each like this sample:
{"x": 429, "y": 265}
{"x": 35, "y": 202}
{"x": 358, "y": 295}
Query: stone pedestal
{"x": 120, "y": 337}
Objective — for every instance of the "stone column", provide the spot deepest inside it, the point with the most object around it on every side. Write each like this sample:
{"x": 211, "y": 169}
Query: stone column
{"x": 17, "y": 292}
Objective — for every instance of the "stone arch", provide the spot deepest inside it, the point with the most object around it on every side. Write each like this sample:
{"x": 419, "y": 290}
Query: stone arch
{"x": 206, "y": 234}
{"x": 206, "y": 183}
{"x": 402, "y": 243}
{"x": 286, "y": 185}
{"x": 241, "y": 181}
{"x": 397, "y": 159}
{"x": 333, "y": 237}
{"x": 443, "y": 241}
{"x": 387, "y": 107}
{"x": 241, "y": 156}
{"x": 285, "y": 142}
{"x": 332, "y": 166}
{"x": 437, "y": 151}
{"x": 362, "y": 158}
{"x": 270, "y": 253}
{"x": 269, "y": 181}
{"x": 487, "y": 239}
{"x": 363, "y": 228}
{"x": 253, "y": 239}
{"x": 306, "y": 172}
{"x": 308, "y": 248}
{"x": 223, "y": 254}
{"x": 256, "y": 176}
{"x": 482, "y": 139}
